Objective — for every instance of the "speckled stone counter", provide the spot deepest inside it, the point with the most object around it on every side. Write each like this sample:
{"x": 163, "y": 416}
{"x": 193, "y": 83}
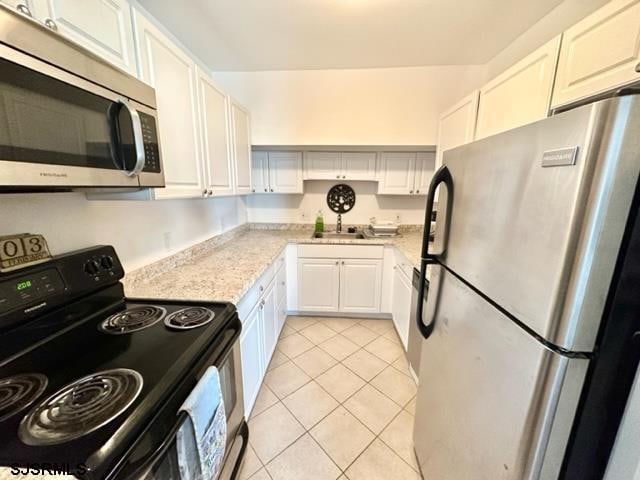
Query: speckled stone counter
{"x": 224, "y": 268}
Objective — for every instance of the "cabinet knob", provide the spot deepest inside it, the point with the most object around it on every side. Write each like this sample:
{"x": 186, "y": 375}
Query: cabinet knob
{"x": 210, "y": 192}
{"x": 253, "y": 190}
{"x": 417, "y": 191}
{"x": 337, "y": 263}
{"x": 337, "y": 176}
{"x": 638, "y": 68}
{"x": 344, "y": 176}
{"x": 24, "y": 9}
{"x": 411, "y": 192}
{"x": 343, "y": 262}
{"x": 49, "y": 23}
{"x": 265, "y": 189}
{"x": 261, "y": 288}
{"x": 204, "y": 192}
{"x": 271, "y": 189}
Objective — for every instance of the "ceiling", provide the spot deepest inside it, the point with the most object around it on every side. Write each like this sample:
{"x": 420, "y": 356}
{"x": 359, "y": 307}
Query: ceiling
{"x": 245, "y": 35}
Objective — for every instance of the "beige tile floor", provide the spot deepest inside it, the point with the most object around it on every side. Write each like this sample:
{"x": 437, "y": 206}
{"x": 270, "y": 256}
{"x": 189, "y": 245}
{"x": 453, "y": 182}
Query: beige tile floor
{"x": 337, "y": 403}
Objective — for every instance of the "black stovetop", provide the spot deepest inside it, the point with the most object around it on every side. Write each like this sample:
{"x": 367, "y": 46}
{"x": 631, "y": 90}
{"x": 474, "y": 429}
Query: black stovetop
{"x": 67, "y": 344}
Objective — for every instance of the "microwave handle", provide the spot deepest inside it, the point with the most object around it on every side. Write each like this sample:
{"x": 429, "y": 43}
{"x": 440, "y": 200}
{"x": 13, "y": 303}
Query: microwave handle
{"x": 138, "y": 139}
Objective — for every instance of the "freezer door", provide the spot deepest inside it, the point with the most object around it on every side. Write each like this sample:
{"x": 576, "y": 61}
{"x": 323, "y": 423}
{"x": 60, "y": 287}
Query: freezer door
{"x": 493, "y": 402}
{"x": 538, "y": 214}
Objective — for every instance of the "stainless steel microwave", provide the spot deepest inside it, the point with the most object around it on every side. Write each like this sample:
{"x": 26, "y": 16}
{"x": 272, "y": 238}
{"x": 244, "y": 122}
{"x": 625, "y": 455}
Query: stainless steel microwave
{"x": 68, "y": 119}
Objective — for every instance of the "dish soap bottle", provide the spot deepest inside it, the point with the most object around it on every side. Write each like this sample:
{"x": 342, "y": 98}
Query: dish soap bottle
{"x": 319, "y": 222}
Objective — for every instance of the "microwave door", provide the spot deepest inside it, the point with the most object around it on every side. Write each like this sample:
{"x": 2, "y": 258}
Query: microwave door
{"x": 55, "y": 130}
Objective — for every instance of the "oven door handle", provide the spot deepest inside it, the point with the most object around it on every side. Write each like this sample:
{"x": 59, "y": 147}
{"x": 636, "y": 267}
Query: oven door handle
{"x": 162, "y": 448}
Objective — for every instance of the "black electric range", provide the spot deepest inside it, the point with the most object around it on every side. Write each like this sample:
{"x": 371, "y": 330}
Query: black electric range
{"x": 87, "y": 375}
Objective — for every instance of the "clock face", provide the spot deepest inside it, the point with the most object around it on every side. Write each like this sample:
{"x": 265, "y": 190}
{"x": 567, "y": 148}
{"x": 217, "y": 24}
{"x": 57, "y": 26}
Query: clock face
{"x": 341, "y": 198}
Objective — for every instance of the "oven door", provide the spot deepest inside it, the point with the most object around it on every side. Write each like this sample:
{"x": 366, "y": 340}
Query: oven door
{"x": 154, "y": 458}
{"x": 58, "y": 130}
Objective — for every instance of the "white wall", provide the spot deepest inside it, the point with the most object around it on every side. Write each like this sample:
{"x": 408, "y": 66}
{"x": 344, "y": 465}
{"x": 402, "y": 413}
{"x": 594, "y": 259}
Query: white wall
{"x": 381, "y": 106}
{"x": 303, "y": 208}
{"x": 140, "y": 231}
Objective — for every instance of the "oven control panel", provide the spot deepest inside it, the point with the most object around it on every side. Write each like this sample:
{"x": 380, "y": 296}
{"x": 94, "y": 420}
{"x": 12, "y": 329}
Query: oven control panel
{"x": 28, "y": 292}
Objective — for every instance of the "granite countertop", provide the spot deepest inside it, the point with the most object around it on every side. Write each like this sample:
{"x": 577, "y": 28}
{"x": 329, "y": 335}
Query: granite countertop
{"x": 225, "y": 267}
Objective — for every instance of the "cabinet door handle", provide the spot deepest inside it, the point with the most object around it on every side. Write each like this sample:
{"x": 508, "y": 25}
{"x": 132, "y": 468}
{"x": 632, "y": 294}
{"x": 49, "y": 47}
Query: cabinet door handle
{"x": 49, "y": 23}
{"x": 638, "y": 68}
{"x": 411, "y": 192}
{"x": 337, "y": 263}
{"x": 417, "y": 191}
{"x": 261, "y": 288}
{"x": 272, "y": 190}
{"x": 210, "y": 192}
{"x": 343, "y": 262}
{"x": 204, "y": 192}
{"x": 24, "y": 9}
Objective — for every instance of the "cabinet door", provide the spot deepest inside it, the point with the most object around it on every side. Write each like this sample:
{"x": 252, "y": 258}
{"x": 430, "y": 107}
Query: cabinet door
{"x": 260, "y": 172}
{"x": 241, "y": 147}
{"x": 425, "y": 167}
{"x": 396, "y": 175}
{"x": 214, "y": 123}
{"x": 270, "y": 322}
{"x": 520, "y": 95}
{"x": 359, "y": 165}
{"x": 172, "y": 73}
{"x": 251, "y": 353}
{"x": 600, "y": 52}
{"x": 401, "y": 305}
{"x": 101, "y": 26}
{"x": 322, "y": 165}
{"x": 457, "y": 125}
{"x": 318, "y": 284}
{"x": 360, "y": 285}
{"x": 285, "y": 172}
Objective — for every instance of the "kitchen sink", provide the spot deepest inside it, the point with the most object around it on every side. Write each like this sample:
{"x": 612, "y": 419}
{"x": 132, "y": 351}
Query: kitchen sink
{"x": 336, "y": 235}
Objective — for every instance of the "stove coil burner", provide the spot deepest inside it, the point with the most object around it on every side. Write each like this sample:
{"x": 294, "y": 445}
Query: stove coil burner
{"x": 191, "y": 317}
{"x": 133, "y": 319}
{"x": 20, "y": 391}
{"x": 81, "y": 407}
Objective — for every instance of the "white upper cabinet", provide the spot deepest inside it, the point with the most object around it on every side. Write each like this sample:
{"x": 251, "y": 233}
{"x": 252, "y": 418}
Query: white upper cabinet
{"x": 101, "y": 26}
{"x": 172, "y": 73}
{"x": 358, "y": 165}
{"x": 457, "y": 125}
{"x": 322, "y": 166}
{"x": 600, "y": 52}
{"x": 260, "y": 172}
{"x": 277, "y": 172}
{"x": 425, "y": 167}
{"x": 340, "y": 166}
{"x": 285, "y": 172}
{"x": 521, "y": 94}
{"x": 241, "y": 136}
{"x": 405, "y": 173}
{"x": 396, "y": 174}
{"x": 216, "y": 149}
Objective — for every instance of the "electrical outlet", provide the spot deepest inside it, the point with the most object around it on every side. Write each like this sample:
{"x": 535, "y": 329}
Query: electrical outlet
{"x": 167, "y": 240}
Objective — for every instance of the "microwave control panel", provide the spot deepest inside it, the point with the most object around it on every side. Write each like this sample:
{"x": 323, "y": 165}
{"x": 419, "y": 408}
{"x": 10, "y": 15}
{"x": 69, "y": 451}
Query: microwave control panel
{"x": 150, "y": 138}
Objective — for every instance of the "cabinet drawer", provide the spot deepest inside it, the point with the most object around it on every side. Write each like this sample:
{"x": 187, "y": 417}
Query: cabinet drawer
{"x": 252, "y": 297}
{"x": 340, "y": 251}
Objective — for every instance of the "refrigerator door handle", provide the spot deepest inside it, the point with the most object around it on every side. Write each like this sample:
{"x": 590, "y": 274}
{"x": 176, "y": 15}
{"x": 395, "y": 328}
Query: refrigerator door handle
{"x": 442, "y": 176}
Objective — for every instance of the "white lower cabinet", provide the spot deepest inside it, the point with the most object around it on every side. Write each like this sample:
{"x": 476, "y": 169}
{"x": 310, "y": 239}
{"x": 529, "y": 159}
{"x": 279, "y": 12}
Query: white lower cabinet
{"x": 270, "y": 322}
{"x": 360, "y": 285}
{"x": 346, "y": 285}
{"x": 263, "y": 311}
{"x": 253, "y": 365}
{"x": 318, "y": 284}
{"x": 401, "y": 304}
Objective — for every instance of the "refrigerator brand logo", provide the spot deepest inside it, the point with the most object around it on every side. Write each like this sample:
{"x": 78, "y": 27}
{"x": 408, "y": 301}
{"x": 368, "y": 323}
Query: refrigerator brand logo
{"x": 559, "y": 158}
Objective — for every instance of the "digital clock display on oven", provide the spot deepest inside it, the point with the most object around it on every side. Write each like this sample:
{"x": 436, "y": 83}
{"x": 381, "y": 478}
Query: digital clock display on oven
{"x": 24, "y": 285}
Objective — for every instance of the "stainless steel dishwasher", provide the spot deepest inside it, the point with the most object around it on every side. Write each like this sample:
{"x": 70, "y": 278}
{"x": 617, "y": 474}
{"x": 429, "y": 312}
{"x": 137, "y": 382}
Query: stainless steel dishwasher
{"x": 414, "y": 346}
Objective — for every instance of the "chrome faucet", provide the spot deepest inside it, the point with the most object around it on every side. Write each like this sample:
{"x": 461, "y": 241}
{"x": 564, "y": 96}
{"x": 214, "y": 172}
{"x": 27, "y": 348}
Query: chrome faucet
{"x": 339, "y": 225}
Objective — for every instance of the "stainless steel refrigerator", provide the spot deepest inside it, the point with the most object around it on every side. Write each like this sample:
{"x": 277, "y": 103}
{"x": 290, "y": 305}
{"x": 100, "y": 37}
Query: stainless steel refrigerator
{"x": 532, "y": 241}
